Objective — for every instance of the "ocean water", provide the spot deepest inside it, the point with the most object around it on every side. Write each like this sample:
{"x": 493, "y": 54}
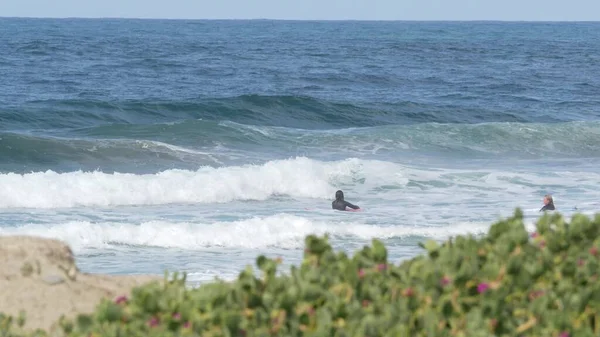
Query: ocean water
{"x": 198, "y": 145}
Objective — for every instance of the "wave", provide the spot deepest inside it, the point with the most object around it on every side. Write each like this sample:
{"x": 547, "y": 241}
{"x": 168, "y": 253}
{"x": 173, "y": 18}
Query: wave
{"x": 278, "y": 110}
{"x": 277, "y": 231}
{"x": 33, "y": 151}
{"x": 299, "y": 177}
{"x": 191, "y": 144}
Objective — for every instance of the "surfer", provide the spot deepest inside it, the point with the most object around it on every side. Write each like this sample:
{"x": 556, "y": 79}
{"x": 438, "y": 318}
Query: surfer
{"x": 548, "y": 203}
{"x": 340, "y": 204}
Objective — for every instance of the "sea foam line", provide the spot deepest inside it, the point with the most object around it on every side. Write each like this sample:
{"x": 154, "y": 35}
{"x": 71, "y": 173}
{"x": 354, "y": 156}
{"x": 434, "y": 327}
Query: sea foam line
{"x": 281, "y": 230}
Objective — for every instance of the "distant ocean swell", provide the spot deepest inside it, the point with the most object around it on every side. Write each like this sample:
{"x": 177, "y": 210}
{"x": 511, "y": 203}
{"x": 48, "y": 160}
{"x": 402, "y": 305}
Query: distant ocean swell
{"x": 213, "y": 143}
{"x": 285, "y": 111}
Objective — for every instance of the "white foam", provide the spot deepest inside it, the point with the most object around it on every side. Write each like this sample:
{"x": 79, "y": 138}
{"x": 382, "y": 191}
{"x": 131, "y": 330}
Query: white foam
{"x": 299, "y": 178}
{"x": 277, "y": 231}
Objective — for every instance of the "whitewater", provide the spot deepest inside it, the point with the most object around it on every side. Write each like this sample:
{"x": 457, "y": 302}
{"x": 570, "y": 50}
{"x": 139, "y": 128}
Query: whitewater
{"x": 196, "y": 146}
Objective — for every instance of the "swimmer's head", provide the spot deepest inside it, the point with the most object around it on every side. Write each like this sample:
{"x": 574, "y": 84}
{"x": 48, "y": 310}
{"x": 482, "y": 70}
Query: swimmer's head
{"x": 339, "y": 195}
{"x": 548, "y": 199}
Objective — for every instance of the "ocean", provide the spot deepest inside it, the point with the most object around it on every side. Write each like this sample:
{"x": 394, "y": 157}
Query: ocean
{"x": 196, "y": 146}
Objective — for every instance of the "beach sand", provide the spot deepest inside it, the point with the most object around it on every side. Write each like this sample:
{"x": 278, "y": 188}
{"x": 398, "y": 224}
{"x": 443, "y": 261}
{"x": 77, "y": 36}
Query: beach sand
{"x": 40, "y": 276}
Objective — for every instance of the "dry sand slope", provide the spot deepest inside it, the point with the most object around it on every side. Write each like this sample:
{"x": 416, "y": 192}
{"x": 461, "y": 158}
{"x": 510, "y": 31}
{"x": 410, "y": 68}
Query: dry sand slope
{"x": 40, "y": 276}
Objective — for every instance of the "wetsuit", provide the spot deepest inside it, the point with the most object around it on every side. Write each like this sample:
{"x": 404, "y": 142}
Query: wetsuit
{"x": 340, "y": 204}
{"x": 549, "y": 207}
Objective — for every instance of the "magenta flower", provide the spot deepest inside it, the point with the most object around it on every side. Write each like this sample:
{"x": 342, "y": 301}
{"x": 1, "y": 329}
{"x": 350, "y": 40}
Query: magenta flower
{"x": 445, "y": 281}
{"x": 187, "y": 325}
{"x": 381, "y": 267}
{"x": 177, "y": 316}
{"x": 121, "y": 299}
{"x": 361, "y": 273}
{"x": 564, "y": 334}
{"x": 483, "y": 287}
{"x": 534, "y": 235}
{"x": 535, "y": 294}
{"x": 153, "y": 322}
{"x": 594, "y": 251}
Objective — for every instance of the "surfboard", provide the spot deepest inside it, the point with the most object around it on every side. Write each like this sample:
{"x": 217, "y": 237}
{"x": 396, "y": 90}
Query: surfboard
{"x": 347, "y": 209}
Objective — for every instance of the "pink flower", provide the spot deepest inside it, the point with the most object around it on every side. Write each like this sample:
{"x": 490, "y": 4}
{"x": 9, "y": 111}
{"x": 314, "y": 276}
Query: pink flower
{"x": 594, "y": 251}
{"x": 564, "y": 334}
{"x": 535, "y": 294}
{"x": 361, "y": 273}
{"x": 381, "y": 267}
{"x": 483, "y": 287}
{"x": 187, "y": 325}
{"x": 445, "y": 281}
{"x": 534, "y": 235}
{"x": 153, "y": 322}
{"x": 177, "y": 316}
{"x": 543, "y": 244}
{"x": 121, "y": 299}
{"x": 580, "y": 262}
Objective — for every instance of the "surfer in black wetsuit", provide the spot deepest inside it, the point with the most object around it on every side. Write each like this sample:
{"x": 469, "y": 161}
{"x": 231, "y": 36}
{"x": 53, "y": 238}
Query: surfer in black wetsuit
{"x": 340, "y": 204}
{"x": 548, "y": 203}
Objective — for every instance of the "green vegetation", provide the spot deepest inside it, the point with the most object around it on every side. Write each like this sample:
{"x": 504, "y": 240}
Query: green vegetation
{"x": 506, "y": 283}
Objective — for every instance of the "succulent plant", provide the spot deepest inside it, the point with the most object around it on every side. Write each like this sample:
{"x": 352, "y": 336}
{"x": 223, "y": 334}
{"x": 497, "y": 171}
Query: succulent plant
{"x": 505, "y": 283}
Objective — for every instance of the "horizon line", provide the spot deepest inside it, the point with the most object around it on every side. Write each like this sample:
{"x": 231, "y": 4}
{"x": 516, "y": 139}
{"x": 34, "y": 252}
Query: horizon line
{"x": 296, "y": 20}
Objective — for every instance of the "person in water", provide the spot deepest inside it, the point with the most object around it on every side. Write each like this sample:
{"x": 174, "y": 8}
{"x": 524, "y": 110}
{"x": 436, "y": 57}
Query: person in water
{"x": 548, "y": 203}
{"x": 340, "y": 204}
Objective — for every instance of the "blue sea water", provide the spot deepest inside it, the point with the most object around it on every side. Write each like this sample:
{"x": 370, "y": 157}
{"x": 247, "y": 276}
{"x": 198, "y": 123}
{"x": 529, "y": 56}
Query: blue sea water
{"x": 198, "y": 145}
